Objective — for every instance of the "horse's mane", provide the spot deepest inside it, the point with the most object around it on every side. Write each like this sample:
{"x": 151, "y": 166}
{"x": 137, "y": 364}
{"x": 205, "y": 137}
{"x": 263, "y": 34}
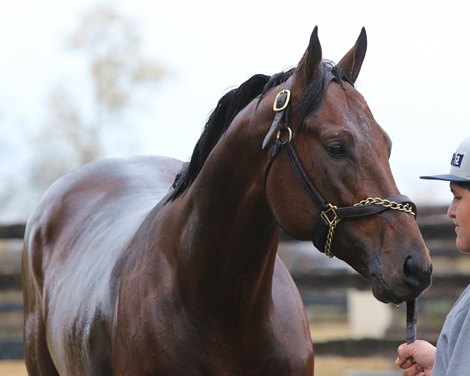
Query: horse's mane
{"x": 234, "y": 101}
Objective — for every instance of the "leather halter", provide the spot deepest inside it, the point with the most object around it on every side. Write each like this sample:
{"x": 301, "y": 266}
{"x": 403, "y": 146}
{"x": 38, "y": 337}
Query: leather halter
{"x": 330, "y": 215}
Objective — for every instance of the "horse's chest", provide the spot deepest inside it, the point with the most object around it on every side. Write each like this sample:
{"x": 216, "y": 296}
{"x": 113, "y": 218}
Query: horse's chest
{"x": 176, "y": 347}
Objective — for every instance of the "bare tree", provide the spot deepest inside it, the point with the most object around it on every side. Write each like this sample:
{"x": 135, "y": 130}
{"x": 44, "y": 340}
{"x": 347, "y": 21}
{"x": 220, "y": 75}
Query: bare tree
{"x": 117, "y": 64}
{"x": 64, "y": 142}
{"x": 117, "y": 68}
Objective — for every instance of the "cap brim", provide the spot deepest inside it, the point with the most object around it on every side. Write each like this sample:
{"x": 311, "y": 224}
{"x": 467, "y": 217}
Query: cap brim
{"x": 446, "y": 177}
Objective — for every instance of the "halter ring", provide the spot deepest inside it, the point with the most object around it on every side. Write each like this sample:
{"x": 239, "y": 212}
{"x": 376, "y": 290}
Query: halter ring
{"x": 290, "y": 134}
{"x": 331, "y": 209}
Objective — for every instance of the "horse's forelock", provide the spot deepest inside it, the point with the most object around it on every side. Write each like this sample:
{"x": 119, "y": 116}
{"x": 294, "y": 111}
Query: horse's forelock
{"x": 315, "y": 91}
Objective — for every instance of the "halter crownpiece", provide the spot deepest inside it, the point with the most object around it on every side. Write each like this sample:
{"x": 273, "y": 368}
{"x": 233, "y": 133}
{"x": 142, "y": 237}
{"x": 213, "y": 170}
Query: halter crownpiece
{"x": 280, "y": 104}
{"x": 330, "y": 215}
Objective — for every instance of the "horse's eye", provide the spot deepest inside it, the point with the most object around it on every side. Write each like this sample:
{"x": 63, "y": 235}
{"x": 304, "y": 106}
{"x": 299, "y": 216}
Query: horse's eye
{"x": 336, "y": 149}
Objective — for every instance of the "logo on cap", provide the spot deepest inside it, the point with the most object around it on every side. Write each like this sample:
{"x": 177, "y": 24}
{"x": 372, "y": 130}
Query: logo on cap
{"x": 457, "y": 159}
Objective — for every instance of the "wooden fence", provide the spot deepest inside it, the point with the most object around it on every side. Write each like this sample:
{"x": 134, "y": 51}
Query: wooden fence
{"x": 319, "y": 286}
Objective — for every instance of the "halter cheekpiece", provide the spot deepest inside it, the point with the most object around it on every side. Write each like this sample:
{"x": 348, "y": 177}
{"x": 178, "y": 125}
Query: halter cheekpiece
{"x": 330, "y": 215}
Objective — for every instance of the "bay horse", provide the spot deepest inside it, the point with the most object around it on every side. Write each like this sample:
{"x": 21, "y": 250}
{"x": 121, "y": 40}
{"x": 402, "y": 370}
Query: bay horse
{"x": 151, "y": 266}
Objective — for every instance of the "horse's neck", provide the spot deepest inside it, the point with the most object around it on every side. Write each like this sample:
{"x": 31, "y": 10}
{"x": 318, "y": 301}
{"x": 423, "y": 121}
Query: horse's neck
{"x": 230, "y": 237}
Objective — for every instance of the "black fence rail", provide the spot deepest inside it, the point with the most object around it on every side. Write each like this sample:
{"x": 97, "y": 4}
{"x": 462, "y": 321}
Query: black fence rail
{"x": 15, "y": 231}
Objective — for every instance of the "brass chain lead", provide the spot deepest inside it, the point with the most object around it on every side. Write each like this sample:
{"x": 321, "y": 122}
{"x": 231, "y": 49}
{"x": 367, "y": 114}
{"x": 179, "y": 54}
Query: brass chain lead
{"x": 329, "y": 237}
{"x": 407, "y": 208}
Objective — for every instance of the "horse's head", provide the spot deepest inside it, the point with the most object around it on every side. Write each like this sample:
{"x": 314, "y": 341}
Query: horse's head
{"x": 328, "y": 176}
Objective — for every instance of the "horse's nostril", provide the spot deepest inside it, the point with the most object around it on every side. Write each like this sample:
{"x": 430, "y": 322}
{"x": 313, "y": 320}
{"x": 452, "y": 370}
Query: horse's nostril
{"x": 415, "y": 276}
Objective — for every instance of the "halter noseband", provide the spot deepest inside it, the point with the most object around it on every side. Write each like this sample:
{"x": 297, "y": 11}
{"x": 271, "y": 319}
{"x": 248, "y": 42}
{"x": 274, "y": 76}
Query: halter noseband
{"x": 330, "y": 215}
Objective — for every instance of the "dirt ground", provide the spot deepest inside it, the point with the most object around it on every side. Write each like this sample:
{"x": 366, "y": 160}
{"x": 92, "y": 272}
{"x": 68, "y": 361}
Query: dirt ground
{"x": 12, "y": 368}
{"x": 324, "y": 366}
{"x": 338, "y": 366}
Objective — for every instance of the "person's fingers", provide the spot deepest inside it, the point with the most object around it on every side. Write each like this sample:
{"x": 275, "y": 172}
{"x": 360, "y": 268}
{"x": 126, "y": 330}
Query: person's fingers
{"x": 415, "y": 370}
{"x": 401, "y": 348}
{"x": 403, "y": 353}
{"x": 407, "y": 363}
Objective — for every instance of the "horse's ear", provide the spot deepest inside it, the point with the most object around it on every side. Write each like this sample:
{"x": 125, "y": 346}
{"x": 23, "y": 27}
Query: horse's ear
{"x": 351, "y": 63}
{"x": 310, "y": 62}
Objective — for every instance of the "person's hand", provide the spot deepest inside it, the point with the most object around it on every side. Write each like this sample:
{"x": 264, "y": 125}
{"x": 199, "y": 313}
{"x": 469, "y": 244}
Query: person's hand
{"x": 416, "y": 359}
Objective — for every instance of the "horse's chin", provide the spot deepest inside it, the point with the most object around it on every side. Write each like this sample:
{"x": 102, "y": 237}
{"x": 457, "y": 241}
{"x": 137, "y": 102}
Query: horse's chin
{"x": 383, "y": 292}
{"x": 386, "y": 294}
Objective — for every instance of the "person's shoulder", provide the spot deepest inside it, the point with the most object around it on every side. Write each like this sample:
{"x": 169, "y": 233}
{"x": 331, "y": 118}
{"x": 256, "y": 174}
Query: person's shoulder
{"x": 462, "y": 304}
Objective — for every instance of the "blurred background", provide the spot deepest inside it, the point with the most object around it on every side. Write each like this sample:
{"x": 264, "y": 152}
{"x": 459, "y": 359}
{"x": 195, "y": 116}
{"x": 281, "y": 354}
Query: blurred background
{"x": 82, "y": 80}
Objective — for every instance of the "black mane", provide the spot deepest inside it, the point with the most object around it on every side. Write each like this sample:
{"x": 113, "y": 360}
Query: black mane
{"x": 234, "y": 101}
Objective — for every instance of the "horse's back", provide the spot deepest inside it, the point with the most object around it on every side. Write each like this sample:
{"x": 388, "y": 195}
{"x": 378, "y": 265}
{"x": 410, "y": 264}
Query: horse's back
{"x": 74, "y": 243}
{"x": 104, "y": 199}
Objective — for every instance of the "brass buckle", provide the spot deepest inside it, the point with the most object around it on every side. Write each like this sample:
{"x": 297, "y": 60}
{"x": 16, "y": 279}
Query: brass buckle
{"x": 331, "y": 209}
{"x": 286, "y": 100}
{"x": 290, "y": 134}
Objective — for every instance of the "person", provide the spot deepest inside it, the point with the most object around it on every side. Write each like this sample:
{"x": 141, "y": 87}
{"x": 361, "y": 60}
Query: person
{"x": 450, "y": 357}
